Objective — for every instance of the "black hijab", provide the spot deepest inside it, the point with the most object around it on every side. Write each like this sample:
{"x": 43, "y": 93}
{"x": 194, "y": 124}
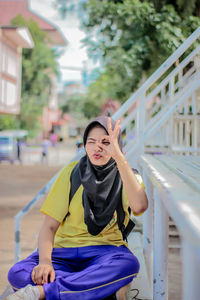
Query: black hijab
{"x": 102, "y": 185}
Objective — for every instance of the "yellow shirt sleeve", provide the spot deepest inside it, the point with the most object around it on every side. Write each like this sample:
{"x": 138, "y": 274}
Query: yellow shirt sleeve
{"x": 57, "y": 202}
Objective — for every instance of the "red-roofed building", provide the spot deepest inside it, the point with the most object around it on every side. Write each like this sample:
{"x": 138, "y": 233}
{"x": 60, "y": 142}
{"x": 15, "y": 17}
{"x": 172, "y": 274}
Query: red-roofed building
{"x": 9, "y": 9}
{"x": 12, "y": 40}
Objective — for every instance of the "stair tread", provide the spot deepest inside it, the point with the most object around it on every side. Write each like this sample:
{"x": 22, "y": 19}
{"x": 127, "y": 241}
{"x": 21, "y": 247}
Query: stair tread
{"x": 141, "y": 282}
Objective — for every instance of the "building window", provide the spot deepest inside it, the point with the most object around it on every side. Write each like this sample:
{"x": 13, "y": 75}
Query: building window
{"x": 3, "y": 91}
{"x": 8, "y": 95}
{"x": 11, "y": 94}
{"x": 9, "y": 61}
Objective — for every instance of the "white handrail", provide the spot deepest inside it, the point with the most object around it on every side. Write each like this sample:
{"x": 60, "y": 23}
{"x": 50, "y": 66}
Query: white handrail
{"x": 158, "y": 73}
{"x": 188, "y": 91}
{"x": 169, "y": 194}
{"x": 173, "y": 73}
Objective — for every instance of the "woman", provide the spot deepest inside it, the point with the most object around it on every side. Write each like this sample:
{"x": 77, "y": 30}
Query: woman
{"x": 81, "y": 252}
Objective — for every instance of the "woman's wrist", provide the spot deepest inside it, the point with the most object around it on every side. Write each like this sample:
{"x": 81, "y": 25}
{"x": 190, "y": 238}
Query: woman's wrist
{"x": 121, "y": 160}
{"x": 45, "y": 261}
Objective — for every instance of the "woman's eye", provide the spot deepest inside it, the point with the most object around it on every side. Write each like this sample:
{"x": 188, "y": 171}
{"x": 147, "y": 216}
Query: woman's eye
{"x": 106, "y": 143}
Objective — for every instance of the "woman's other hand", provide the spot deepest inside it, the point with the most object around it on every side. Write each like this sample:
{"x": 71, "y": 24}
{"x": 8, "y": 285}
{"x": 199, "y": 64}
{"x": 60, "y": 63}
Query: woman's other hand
{"x": 43, "y": 273}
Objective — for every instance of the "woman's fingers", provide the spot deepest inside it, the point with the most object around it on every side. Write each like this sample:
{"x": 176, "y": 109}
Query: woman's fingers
{"x": 52, "y": 276}
{"x": 45, "y": 276}
{"x": 40, "y": 274}
{"x": 116, "y": 130}
{"x": 33, "y": 275}
{"x": 109, "y": 126}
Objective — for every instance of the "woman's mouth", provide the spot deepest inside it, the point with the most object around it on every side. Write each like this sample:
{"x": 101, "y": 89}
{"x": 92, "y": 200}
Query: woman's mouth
{"x": 97, "y": 156}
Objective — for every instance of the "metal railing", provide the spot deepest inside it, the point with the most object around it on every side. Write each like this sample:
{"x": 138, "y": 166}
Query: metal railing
{"x": 170, "y": 194}
{"x": 135, "y": 112}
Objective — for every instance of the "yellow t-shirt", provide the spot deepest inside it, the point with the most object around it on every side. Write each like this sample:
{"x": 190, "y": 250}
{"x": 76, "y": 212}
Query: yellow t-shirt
{"x": 72, "y": 231}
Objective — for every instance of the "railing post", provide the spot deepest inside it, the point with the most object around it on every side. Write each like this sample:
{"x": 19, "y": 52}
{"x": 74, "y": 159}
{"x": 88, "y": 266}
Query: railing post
{"x": 160, "y": 249}
{"x": 190, "y": 271}
{"x": 171, "y": 119}
{"x": 140, "y": 122}
{"x": 17, "y": 238}
{"x": 148, "y": 230}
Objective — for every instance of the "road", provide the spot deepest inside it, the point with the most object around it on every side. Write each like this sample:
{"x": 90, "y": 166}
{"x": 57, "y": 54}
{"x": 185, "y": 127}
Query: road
{"x": 19, "y": 184}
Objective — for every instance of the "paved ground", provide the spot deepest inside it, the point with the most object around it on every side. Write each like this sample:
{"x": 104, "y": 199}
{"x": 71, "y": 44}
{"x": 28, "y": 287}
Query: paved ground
{"x": 18, "y": 186}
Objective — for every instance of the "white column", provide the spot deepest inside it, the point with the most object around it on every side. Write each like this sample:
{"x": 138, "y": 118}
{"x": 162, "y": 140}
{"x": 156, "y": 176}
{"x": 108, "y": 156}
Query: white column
{"x": 148, "y": 230}
{"x": 175, "y": 133}
{"x": 160, "y": 249}
{"x": 17, "y": 239}
{"x": 1, "y": 62}
{"x": 190, "y": 272}
{"x": 141, "y": 122}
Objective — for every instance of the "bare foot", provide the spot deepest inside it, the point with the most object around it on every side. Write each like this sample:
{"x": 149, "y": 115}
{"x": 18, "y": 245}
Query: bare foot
{"x": 121, "y": 293}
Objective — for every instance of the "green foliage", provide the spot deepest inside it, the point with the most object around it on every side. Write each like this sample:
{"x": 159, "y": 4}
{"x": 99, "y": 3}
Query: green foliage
{"x": 134, "y": 37}
{"x": 91, "y": 110}
{"x": 73, "y": 105}
{"x": 37, "y": 66}
{"x": 9, "y": 122}
{"x": 80, "y": 107}
{"x": 183, "y": 7}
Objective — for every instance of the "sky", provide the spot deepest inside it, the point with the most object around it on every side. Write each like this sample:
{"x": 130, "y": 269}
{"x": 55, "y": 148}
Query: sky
{"x": 74, "y": 54}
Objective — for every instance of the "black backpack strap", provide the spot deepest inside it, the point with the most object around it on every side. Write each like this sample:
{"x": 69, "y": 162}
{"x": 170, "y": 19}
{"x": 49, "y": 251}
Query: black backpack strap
{"x": 121, "y": 217}
{"x": 75, "y": 182}
{"x": 120, "y": 220}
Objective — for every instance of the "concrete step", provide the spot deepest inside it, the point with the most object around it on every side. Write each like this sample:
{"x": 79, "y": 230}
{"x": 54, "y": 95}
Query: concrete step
{"x": 174, "y": 237}
{"x": 173, "y": 233}
{"x": 141, "y": 282}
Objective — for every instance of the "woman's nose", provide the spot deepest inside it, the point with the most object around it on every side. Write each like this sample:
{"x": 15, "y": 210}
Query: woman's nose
{"x": 99, "y": 145}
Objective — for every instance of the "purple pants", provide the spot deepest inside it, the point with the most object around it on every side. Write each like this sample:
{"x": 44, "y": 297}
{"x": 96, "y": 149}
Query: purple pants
{"x": 85, "y": 273}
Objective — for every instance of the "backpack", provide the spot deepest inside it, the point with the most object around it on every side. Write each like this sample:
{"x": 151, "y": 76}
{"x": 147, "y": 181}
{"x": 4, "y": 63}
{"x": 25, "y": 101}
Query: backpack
{"x": 76, "y": 182}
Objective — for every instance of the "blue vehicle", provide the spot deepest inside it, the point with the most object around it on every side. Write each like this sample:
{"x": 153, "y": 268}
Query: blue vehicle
{"x": 10, "y": 144}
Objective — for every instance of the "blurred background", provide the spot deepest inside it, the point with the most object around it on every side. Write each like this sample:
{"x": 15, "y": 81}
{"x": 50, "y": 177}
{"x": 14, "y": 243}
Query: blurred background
{"x": 62, "y": 63}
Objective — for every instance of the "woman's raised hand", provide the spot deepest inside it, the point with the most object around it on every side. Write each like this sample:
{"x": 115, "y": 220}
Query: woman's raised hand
{"x": 110, "y": 142}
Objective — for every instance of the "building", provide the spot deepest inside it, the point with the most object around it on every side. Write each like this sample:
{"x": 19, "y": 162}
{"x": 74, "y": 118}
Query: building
{"x": 12, "y": 40}
{"x": 9, "y": 9}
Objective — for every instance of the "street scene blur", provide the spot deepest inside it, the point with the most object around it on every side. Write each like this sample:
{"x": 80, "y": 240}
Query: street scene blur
{"x": 65, "y": 62}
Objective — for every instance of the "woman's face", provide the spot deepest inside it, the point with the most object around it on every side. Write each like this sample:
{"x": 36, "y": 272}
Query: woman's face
{"x": 95, "y": 152}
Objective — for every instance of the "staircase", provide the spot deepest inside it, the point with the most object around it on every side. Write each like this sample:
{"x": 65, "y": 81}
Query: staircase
{"x": 167, "y": 114}
{"x": 174, "y": 237}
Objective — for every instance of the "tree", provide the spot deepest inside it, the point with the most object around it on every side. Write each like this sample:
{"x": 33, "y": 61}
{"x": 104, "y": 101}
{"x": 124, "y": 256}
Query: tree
{"x": 183, "y": 7}
{"x": 134, "y": 37}
{"x": 37, "y": 65}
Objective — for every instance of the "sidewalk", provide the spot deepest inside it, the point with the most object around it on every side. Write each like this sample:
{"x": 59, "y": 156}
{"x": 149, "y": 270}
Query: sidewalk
{"x": 19, "y": 184}
{"x": 59, "y": 155}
